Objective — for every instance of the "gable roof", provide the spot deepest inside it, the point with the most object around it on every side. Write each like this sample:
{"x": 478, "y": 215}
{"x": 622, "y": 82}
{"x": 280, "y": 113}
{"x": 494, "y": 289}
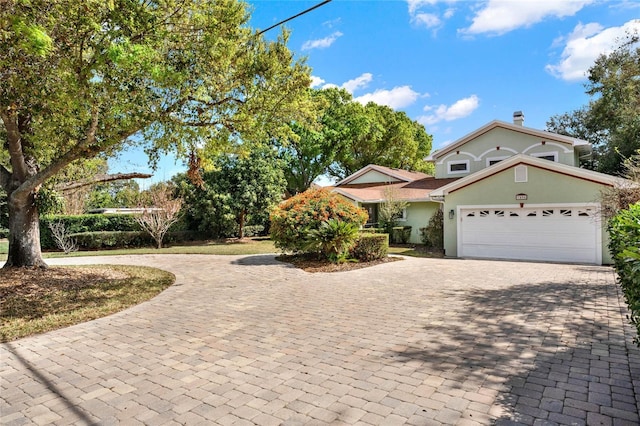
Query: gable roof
{"x": 416, "y": 190}
{"x": 578, "y": 144}
{"x": 396, "y": 174}
{"x": 515, "y": 160}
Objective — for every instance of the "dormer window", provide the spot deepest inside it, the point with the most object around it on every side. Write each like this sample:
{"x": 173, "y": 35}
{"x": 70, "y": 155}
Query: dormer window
{"x": 458, "y": 167}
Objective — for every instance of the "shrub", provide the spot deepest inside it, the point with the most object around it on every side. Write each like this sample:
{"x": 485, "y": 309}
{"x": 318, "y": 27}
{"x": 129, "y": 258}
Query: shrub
{"x": 332, "y": 239}
{"x": 400, "y": 234}
{"x": 253, "y": 230}
{"x": 293, "y": 218}
{"x": 433, "y": 234}
{"x": 85, "y": 223}
{"x": 624, "y": 232}
{"x": 112, "y": 239}
{"x": 370, "y": 247}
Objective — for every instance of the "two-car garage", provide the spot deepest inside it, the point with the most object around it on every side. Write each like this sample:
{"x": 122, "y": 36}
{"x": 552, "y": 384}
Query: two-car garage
{"x": 559, "y": 233}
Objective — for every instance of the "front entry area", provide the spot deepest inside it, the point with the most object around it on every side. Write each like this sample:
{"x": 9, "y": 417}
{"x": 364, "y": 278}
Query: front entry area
{"x": 555, "y": 233}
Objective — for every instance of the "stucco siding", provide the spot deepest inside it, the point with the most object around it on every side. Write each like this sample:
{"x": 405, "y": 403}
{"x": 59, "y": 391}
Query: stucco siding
{"x": 374, "y": 176}
{"x": 418, "y": 215}
{"x": 543, "y": 187}
{"x": 501, "y": 143}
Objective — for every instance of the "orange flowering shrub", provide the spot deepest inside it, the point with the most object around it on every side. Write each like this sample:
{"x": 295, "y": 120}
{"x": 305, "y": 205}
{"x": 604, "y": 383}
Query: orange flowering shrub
{"x": 292, "y": 220}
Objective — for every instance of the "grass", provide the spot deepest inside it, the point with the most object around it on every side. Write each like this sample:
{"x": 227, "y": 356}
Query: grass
{"x": 37, "y": 301}
{"x": 414, "y": 251}
{"x": 231, "y": 247}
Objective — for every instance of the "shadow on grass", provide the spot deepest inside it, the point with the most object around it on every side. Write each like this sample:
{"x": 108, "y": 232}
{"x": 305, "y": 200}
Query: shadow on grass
{"x": 553, "y": 351}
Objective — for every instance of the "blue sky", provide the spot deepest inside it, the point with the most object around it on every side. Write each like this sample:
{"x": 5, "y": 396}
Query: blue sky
{"x": 451, "y": 65}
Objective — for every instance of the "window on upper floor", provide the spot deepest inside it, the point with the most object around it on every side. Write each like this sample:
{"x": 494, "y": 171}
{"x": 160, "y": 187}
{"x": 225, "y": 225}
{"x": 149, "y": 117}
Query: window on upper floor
{"x": 494, "y": 160}
{"x": 551, "y": 156}
{"x": 458, "y": 167}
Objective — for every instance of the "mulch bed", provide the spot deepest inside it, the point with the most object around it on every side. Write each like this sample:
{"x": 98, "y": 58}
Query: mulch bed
{"x": 312, "y": 263}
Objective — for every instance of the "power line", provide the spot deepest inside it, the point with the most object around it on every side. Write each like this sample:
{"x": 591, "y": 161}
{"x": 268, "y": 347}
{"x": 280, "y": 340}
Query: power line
{"x": 295, "y": 16}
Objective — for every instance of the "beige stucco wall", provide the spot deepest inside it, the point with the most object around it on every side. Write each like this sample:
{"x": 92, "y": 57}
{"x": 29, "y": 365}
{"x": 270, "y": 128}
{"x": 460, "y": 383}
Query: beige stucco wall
{"x": 542, "y": 187}
{"x": 509, "y": 142}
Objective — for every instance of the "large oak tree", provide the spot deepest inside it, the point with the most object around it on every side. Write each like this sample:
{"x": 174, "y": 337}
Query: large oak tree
{"x": 80, "y": 78}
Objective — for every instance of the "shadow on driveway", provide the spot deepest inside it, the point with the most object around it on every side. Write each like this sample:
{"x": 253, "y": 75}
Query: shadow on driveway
{"x": 552, "y": 351}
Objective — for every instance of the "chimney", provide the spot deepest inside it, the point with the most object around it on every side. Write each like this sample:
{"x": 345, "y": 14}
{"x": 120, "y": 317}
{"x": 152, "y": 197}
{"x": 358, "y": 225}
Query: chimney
{"x": 518, "y": 118}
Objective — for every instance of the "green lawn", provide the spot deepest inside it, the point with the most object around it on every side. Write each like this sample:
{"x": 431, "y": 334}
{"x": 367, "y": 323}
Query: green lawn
{"x": 247, "y": 247}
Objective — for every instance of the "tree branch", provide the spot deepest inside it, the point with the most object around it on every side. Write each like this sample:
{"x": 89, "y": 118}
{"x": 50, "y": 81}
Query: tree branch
{"x": 18, "y": 162}
{"x": 5, "y": 178}
{"x": 100, "y": 179}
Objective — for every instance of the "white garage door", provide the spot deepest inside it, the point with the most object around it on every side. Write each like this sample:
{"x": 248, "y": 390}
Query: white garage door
{"x": 560, "y": 234}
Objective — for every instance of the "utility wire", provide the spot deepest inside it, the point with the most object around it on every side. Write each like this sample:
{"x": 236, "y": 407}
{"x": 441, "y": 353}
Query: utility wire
{"x": 295, "y": 16}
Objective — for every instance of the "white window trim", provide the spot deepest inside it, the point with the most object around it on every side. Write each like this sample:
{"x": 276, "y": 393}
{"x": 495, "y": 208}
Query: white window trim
{"x": 403, "y": 218}
{"x": 489, "y": 159}
{"x": 545, "y": 154}
{"x": 458, "y": 172}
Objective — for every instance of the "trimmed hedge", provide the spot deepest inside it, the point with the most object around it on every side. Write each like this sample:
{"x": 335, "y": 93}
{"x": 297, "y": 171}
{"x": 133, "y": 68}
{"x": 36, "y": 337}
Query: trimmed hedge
{"x": 624, "y": 232}
{"x": 101, "y": 224}
{"x": 370, "y": 247}
{"x": 76, "y": 224}
{"x": 128, "y": 239}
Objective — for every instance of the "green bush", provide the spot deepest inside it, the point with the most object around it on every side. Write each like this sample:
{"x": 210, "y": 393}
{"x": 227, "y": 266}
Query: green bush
{"x": 76, "y": 224}
{"x": 112, "y": 239}
{"x": 624, "y": 232}
{"x": 432, "y": 235}
{"x": 370, "y": 247}
{"x": 372, "y": 231}
{"x": 332, "y": 239}
{"x": 253, "y": 230}
{"x": 295, "y": 217}
{"x": 400, "y": 234}
{"x": 127, "y": 239}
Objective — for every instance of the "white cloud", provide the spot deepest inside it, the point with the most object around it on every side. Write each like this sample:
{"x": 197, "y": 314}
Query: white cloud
{"x": 584, "y": 45}
{"x": 316, "y": 81}
{"x": 322, "y": 43}
{"x": 415, "y": 5}
{"x": 428, "y": 20}
{"x": 358, "y": 82}
{"x": 398, "y": 97}
{"x": 501, "y": 16}
{"x": 460, "y": 109}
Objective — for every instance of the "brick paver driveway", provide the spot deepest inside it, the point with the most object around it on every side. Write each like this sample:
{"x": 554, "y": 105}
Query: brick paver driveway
{"x": 248, "y": 340}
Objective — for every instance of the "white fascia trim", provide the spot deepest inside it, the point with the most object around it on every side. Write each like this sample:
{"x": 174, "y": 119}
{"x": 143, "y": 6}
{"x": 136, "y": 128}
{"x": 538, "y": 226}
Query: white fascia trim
{"x": 529, "y": 160}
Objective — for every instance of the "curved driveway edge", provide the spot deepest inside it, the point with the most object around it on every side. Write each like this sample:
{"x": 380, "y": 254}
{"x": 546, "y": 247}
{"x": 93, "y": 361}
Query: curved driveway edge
{"x": 249, "y": 340}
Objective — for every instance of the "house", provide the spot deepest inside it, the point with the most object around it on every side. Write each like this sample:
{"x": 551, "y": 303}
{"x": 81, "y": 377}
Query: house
{"x": 507, "y": 192}
{"x": 372, "y": 185}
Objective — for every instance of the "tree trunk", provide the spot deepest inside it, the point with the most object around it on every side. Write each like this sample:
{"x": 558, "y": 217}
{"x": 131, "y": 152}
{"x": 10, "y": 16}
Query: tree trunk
{"x": 241, "y": 218}
{"x": 24, "y": 233}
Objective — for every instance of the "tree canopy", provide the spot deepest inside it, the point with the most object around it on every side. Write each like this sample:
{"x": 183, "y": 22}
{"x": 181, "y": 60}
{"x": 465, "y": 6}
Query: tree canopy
{"x": 347, "y": 136}
{"x": 611, "y": 120}
{"x": 78, "y": 79}
{"x": 237, "y": 191}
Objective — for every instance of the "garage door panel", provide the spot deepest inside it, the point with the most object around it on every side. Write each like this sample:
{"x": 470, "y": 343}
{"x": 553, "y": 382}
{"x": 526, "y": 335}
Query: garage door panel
{"x": 556, "y": 234}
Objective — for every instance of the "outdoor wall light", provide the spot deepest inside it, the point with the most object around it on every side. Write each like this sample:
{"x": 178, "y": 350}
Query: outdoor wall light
{"x": 451, "y": 214}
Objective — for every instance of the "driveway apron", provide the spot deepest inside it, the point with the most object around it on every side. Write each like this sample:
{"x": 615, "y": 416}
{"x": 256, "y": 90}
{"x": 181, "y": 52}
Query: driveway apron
{"x": 250, "y": 340}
